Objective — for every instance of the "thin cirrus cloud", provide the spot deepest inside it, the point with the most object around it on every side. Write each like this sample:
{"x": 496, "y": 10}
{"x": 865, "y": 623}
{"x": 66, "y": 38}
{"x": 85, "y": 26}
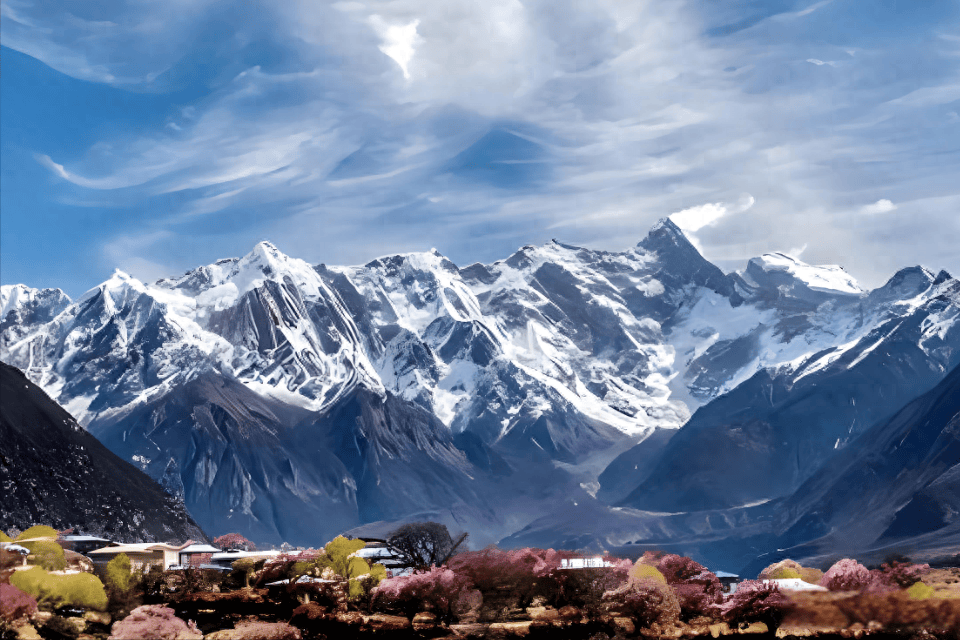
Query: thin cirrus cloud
{"x": 348, "y": 130}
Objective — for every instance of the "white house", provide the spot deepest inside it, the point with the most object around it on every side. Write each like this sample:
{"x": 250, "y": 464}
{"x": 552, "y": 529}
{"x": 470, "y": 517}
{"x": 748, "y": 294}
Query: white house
{"x": 196, "y": 555}
{"x": 584, "y": 563}
{"x": 795, "y": 584}
{"x": 141, "y": 555}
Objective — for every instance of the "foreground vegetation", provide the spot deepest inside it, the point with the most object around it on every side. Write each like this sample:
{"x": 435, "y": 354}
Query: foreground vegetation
{"x": 332, "y": 593}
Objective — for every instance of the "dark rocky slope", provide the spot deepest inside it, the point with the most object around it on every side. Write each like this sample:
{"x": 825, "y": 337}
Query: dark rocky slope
{"x": 897, "y": 489}
{"x": 53, "y": 472}
{"x": 277, "y": 472}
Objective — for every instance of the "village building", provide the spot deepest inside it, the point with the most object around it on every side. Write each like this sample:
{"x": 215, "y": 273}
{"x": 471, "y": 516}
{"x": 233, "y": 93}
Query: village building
{"x": 728, "y": 581}
{"x": 83, "y": 544}
{"x": 584, "y": 563}
{"x": 197, "y": 555}
{"x": 380, "y": 551}
{"x": 795, "y": 584}
{"x": 224, "y": 559}
{"x": 142, "y": 556}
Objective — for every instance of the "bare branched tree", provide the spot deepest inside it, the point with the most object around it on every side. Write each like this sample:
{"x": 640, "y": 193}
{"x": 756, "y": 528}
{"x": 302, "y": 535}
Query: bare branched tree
{"x": 424, "y": 544}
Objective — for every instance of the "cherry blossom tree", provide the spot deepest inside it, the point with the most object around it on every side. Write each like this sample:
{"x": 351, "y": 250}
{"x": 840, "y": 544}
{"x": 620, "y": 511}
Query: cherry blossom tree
{"x": 846, "y": 575}
{"x": 234, "y": 541}
{"x": 154, "y": 621}
{"x": 440, "y": 590}
{"x": 756, "y": 601}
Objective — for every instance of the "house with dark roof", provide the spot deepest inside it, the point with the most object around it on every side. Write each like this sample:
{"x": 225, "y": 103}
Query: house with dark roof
{"x": 728, "y": 581}
{"x": 84, "y": 544}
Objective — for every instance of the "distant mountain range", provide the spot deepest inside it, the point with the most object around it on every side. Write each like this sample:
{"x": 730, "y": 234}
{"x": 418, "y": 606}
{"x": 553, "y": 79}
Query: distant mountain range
{"x": 291, "y": 402}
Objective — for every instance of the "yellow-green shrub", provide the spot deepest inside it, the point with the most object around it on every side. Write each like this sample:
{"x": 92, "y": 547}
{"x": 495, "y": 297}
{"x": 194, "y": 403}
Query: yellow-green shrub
{"x": 39, "y": 531}
{"x": 47, "y": 555}
{"x": 641, "y": 571}
{"x": 920, "y": 591}
{"x": 246, "y": 566}
{"x": 79, "y": 589}
{"x": 811, "y": 575}
{"x": 355, "y": 589}
{"x": 119, "y": 574}
{"x": 339, "y": 550}
{"x": 357, "y": 567}
{"x": 785, "y": 573}
{"x": 83, "y": 590}
{"x": 378, "y": 572}
{"x": 30, "y": 581}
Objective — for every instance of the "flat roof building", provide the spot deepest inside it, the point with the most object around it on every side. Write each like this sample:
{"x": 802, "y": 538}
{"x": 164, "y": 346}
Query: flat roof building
{"x": 141, "y": 555}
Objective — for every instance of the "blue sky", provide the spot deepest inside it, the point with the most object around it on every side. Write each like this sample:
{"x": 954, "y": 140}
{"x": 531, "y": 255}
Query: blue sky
{"x": 155, "y": 137}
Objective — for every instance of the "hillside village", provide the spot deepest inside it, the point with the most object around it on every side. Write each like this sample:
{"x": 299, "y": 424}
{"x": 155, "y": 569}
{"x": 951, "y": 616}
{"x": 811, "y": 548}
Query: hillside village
{"x": 65, "y": 585}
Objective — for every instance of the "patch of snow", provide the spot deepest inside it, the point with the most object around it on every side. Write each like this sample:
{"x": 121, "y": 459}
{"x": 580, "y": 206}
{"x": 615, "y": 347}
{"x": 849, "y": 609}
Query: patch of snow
{"x": 825, "y": 278}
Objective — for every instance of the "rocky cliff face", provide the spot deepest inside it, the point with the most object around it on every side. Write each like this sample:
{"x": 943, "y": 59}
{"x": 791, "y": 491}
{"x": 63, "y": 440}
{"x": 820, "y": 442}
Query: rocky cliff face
{"x": 53, "y": 472}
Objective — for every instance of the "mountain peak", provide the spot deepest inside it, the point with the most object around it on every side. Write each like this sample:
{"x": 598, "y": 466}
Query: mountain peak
{"x": 942, "y": 277}
{"x": 265, "y": 250}
{"x": 265, "y": 258}
{"x": 46, "y": 302}
{"x": 120, "y": 275}
{"x": 667, "y": 229}
{"x": 909, "y": 281}
{"x": 667, "y": 236}
{"x": 778, "y": 269}
{"x": 14, "y": 295}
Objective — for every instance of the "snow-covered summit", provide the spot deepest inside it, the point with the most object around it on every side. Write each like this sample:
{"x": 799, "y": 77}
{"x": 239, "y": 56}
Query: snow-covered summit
{"x": 236, "y": 276}
{"x": 779, "y": 269}
{"x": 13, "y": 296}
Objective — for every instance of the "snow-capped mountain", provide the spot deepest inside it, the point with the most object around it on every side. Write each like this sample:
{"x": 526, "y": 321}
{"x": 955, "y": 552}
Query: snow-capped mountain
{"x": 553, "y": 360}
{"x": 786, "y": 421}
{"x": 22, "y": 308}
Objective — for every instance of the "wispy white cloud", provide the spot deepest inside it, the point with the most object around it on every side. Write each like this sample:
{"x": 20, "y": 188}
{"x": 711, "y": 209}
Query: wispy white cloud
{"x": 928, "y": 96}
{"x": 399, "y": 41}
{"x": 803, "y": 12}
{"x": 880, "y": 206}
{"x": 695, "y": 218}
{"x": 634, "y": 110}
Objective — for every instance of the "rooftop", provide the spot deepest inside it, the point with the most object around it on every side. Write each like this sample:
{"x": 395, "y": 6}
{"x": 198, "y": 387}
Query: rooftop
{"x": 142, "y": 547}
{"x": 199, "y": 548}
